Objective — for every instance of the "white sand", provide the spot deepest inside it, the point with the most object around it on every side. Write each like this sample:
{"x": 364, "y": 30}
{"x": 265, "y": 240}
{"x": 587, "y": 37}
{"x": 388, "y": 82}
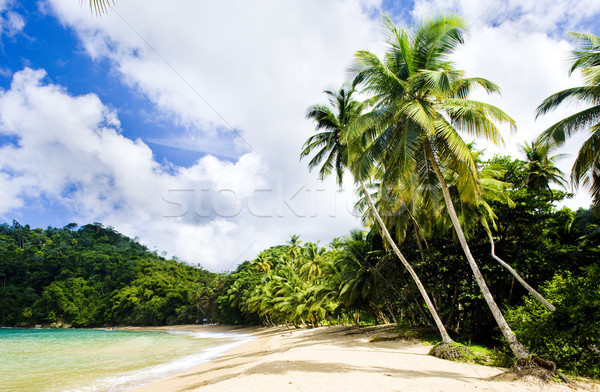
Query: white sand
{"x": 337, "y": 359}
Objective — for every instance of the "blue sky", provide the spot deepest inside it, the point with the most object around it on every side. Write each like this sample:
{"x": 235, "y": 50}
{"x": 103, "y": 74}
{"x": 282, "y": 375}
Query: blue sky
{"x": 181, "y": 122}
{"x": 47, "y": 44}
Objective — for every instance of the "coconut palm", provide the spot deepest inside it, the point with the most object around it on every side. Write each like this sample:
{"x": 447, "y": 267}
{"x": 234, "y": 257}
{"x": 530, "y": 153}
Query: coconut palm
{"x": 421, "y": 106}
{"x": 540, "y": 168}
{"x": 262, "y": 264}
{"x": 311, "y": 261}
{"x": 359, "y": 276}
{"x": 586, "y": 168}
{"x": 332, "y": 152}
{"x": 332, "y": 146}
{"x": 294, "y": 248}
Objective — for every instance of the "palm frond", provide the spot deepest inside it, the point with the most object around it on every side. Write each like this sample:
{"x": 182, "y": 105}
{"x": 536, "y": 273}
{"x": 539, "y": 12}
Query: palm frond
{"x": 587, "y": 158}
{"x": 559, "y": 132}
{"x": 375, "y": 75}
{"x": 588, "y": 54}
{"x": 462, "y": 87}
{"x": 99, "y": 7}
{"x": 477, "y": 118}
{"x": 586, "y": 94}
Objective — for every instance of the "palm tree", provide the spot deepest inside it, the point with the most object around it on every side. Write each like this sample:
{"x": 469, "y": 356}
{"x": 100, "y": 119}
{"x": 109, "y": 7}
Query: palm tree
{"x": 359, "y": 276}
{"x": 262, "y": 264}
{"x": 586, "y": 168}
{"x": 329, "y": 140}
{"x": 100, "y": 6}
{"x": 540, "y": 168}
{"x": 421, "y": 105}
{"x": 331, "y": 144}
{"x": 294, "y": 247}
{"x": 311, "y": 261}
{"x": 196, "y": 293}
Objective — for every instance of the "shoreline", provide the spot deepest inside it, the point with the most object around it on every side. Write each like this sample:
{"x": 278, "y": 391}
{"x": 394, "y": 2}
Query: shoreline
{"x": 260, "y": 339}
{"x": 334, "y": 359}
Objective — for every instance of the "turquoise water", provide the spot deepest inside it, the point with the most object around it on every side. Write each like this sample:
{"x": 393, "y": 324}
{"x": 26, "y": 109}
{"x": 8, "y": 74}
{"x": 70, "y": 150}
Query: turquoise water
{"x": 96, "y": 360}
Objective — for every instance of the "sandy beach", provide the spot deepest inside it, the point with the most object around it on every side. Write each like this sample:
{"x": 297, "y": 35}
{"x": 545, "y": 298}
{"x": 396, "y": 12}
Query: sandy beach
{"x": 337, "y": 359}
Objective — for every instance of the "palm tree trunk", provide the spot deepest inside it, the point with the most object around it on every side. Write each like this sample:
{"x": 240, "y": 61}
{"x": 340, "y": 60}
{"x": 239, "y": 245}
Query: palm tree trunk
{"x": 419, "y": 245}
{"x": 514, "y": 273}
{"x": 438, "y": 322}
{"x": 421, "y": 311}
{"x": 517, "y": 348}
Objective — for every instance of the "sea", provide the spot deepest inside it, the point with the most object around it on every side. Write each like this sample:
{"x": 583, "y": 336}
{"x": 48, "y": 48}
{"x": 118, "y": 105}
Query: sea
{"x": 96, "y": 360}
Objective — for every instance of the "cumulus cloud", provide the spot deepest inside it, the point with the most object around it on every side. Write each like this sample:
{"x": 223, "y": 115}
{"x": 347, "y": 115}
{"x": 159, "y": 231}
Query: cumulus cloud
{"x": 230, "y": 70}
{"x": 70, "y": 150}
{"x": 11, "y": 23}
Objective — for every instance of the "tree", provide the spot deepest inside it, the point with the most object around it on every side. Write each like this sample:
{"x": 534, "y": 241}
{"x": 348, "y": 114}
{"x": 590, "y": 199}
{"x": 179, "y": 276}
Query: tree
{"x": 540, "y": 168}
{"x": 586, "y": 168}
{"x": 332, "y": 152}
{"x": 311, "y": 260}
{"x": 294, "y": 247}
{"x": 359, "y": 276}
{"x": 421, "y": 105}
{"x": 335, "y": 125}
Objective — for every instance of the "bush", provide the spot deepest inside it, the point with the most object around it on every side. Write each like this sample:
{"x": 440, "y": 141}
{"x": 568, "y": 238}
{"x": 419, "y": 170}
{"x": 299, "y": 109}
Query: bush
{"x": 570, "y": 336}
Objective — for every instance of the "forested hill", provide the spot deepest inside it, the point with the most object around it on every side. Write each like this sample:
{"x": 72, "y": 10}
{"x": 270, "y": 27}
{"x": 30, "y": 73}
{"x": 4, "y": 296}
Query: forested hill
{"x": 94, "y": 276}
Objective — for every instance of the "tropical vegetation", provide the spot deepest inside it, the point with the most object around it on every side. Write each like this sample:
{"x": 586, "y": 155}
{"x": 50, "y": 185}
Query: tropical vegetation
{"x": 95, "y": 276}
{"x": 429, "y": 202}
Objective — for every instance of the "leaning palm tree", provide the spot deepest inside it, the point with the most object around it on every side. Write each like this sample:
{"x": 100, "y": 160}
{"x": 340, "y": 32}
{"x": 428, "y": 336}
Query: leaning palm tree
{"x": 331, "y": 145}
{"x": 421, "y": 105}
{"x": 586, "y": 168}
{"x": 332, "y": 154}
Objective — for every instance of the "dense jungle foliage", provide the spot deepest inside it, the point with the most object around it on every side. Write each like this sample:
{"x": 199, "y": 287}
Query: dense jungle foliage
{"x": 94, "y": 276}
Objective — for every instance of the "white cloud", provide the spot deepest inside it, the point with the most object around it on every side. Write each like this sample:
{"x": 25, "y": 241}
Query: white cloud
{"x": 252, "y": 63}
{"x": 526, "y": 16}
{"x": 11, "y": 23}
{"x": 215, "y": 212}
{"x": 70, "y": 150}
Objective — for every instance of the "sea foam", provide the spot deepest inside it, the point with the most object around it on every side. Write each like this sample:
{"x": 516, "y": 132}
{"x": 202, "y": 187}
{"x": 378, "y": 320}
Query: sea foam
{"x": 131, "y": 379}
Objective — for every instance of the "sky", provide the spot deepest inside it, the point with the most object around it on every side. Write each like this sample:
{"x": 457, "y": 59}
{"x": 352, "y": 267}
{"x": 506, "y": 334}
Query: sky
{"x": 181, "y": 123}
